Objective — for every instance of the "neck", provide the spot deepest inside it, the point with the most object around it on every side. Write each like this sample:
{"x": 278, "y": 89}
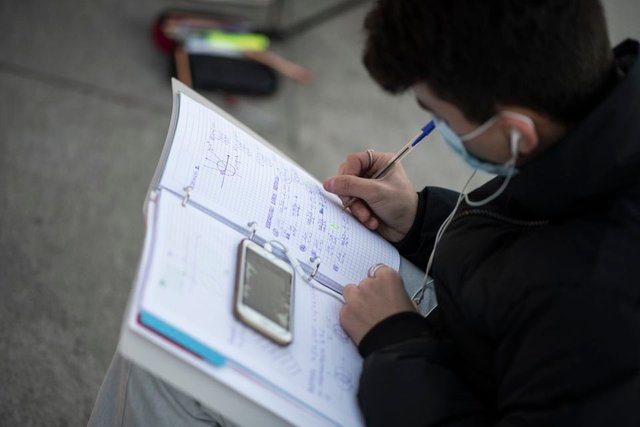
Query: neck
{"x": 550, "y": 133}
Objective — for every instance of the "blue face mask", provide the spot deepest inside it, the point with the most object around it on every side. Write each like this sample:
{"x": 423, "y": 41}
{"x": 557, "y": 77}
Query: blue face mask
{"x": 457, "y": 144}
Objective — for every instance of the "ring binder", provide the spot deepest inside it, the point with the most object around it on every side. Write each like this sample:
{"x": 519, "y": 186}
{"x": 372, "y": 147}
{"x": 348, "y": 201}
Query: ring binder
{"x": 187, "y": 196}
{"x": 253, "y": 227}
{"x": 315, "y": 261}
{"x": 206, "y": 237}
{"x": 316, "y": 265}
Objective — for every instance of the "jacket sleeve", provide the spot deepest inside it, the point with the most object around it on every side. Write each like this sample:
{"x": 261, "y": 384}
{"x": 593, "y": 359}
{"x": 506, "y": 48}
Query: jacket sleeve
{"x": 409, "y": 377}
{"x": 563, "y": 357}
{"x": 434, "y": 205}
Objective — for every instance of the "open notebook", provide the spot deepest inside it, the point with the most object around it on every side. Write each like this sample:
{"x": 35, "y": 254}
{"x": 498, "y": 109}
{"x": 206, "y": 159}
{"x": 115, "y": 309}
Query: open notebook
{"x": 217, "y": 183}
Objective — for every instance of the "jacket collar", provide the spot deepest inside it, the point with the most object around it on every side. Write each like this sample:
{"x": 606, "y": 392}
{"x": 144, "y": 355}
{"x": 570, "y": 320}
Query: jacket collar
{"x": 597, "y": 158}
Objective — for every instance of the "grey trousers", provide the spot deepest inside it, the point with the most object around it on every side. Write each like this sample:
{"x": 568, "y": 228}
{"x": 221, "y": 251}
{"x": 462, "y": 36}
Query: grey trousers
{"x": 130, "y": 396}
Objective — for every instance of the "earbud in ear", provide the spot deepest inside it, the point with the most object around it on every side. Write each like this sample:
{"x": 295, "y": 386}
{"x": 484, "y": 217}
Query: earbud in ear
{"x": 515, "y": 140}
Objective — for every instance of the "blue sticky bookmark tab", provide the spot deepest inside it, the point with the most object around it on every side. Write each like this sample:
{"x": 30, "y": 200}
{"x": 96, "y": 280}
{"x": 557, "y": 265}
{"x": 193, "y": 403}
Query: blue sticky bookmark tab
{"x": 181, "y": 338}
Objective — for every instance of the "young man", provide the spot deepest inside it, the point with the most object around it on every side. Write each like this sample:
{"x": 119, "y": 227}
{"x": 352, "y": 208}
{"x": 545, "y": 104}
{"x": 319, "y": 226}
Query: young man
{"x": 538, "y": 321}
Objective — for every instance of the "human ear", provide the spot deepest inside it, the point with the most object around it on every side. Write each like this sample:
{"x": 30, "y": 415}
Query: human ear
{"x": 529, "y": 139}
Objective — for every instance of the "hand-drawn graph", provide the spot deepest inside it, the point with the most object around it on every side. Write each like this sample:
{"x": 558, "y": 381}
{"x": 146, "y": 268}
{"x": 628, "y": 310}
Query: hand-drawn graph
{"x": 214, "y": 156}
{"x": 224, "y": 167}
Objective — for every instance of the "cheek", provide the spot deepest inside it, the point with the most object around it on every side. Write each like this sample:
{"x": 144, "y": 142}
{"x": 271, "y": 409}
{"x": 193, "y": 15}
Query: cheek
{"x": 493, "y": 146}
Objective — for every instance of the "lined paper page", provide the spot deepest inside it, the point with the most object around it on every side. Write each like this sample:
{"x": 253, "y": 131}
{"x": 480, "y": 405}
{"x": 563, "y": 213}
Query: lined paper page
{"x": 190, "y": 285}
{"x": 231, "y": 171}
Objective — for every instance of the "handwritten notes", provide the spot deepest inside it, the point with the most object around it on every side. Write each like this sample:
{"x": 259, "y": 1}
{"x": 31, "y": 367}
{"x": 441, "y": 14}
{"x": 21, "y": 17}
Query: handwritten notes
{"x": 190, "y": 284}
{"x": 228, "y": 169}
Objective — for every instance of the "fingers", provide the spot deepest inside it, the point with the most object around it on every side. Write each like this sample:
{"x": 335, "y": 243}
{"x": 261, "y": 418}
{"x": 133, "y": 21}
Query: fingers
{"x": 352, "y": 178}
{"x": 374, "y": 269}
{"x": 386, "y": 205}
{"x": 373, "y": 300}
{"x": 385, "y": 277}
{"x": 351, "y": 313}
{"x": 367, "y": 191}
{"x": 361, "y": 211}
{"x": 353, "y": 186}
{"x": 373, "y": 223}
{"x": 356, "y": 164}
{"x": 343, "y": 187}
{"x": 363, "y": 163}
{"x": 349, "y": 291}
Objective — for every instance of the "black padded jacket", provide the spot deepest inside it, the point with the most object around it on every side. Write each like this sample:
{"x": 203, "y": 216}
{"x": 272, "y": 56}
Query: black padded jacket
{"x": 538, "y": 322}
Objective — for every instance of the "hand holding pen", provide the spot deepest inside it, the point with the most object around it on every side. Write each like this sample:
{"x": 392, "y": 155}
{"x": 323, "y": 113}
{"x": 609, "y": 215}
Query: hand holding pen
{"x": 426, "y": 130}
{"x": 387, "y": 205}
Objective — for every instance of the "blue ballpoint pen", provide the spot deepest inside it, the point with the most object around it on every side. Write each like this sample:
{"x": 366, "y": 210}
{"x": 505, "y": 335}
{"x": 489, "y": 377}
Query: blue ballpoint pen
{"x": 426, "y": 130}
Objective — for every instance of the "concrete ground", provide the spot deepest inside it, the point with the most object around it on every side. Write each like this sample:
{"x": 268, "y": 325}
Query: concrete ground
{"x": 84, "y": 107}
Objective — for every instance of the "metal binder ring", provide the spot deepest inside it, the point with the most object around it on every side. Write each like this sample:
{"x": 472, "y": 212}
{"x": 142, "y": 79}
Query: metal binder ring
{"x": 316, "y": 261}
{"x": 370, "y": 153}
{"x": 252, "y": 226}
{"x": 187, "y": 195}
{"x": 372, "y": 271}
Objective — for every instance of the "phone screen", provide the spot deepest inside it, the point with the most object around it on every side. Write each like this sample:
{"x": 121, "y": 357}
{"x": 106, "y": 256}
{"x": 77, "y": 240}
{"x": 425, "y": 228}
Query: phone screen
{"x": 267, "y": 289}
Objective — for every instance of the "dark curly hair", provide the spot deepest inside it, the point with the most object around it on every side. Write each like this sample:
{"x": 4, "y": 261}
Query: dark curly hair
{"x": 553, "y": 56}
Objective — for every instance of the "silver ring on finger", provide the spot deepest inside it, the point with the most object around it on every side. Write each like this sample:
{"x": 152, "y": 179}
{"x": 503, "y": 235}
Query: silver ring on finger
{"x": 372, "y": 270}
{"x": 370, "y": 153}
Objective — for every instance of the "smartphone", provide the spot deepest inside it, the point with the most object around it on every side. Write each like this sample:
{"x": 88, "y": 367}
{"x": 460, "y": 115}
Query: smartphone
{"x": 264, "y": 292}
